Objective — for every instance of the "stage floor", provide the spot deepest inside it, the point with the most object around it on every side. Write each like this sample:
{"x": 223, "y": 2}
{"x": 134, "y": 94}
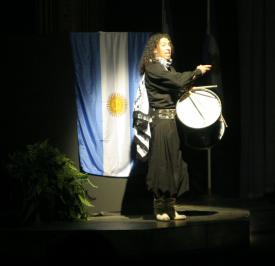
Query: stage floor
{"x": 114, "y": 237}
{"x": 196, "y": 214}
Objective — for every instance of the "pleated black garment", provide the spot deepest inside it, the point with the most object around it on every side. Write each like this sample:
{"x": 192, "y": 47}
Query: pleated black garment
{"x": 167, "y": 171}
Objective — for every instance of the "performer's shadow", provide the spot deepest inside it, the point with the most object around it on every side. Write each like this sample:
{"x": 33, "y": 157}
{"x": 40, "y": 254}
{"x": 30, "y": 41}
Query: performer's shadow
{"x": 137, "y": 200}
{"x": 197, "y": 213}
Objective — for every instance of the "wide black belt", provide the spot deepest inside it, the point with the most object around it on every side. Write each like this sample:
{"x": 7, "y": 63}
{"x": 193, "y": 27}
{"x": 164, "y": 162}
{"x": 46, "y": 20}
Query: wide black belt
{"x": 163, "y": 113}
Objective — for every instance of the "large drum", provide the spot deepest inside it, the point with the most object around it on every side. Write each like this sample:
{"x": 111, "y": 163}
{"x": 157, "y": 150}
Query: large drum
{"x": 199, "y": 112}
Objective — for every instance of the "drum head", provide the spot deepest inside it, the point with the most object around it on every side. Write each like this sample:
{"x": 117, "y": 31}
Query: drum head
{"x": 199, "y": 108}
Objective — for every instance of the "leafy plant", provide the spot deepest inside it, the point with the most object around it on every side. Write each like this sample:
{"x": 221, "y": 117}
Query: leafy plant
{"x": 48, "y": 185}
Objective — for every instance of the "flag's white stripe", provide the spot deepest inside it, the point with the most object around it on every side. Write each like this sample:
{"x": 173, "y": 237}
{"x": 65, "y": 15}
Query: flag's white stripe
{"x": 114, "y": 79}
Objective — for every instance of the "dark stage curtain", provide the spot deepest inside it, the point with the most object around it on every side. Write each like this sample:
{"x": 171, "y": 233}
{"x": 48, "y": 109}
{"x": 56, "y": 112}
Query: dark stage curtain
{"x": 257, "y": 97}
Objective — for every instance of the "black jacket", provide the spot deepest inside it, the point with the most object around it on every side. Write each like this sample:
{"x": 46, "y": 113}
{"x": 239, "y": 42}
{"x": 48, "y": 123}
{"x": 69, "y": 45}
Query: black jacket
{"x": 164, "y": 87}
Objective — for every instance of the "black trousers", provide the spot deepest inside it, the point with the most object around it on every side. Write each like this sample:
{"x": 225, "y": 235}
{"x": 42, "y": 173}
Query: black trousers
{"x": 167, "y": 171}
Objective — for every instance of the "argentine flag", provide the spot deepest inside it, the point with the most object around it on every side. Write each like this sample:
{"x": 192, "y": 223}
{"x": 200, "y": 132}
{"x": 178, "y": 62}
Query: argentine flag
{"x": 106, "y": 66}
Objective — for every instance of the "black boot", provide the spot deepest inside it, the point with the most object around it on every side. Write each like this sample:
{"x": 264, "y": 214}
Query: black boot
{"x": 160, "y": 210}
{"x": 171, "y": 211}
{"x": 170, "y": 207}
{"x": 159, "y": 206}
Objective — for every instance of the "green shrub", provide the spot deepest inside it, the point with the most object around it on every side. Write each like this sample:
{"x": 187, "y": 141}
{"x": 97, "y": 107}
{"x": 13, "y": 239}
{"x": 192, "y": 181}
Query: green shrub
{"x": 47, "y": 185}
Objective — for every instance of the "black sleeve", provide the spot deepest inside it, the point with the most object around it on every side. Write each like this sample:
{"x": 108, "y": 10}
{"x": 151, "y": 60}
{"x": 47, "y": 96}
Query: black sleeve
{"x": 171, "y": 79}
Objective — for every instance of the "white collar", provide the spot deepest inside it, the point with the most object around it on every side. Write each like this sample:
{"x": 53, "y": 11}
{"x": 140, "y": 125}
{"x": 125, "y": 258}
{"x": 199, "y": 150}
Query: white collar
{"x": 164, "y": 62}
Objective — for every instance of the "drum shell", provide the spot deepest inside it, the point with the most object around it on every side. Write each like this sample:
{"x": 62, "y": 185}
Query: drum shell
{"x": 199, "y": 118}
{"x": 199, "y": 138}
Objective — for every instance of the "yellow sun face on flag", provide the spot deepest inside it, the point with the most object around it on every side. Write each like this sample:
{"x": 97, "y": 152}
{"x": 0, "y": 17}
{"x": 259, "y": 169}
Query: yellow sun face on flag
{"x": 116, "y": 104}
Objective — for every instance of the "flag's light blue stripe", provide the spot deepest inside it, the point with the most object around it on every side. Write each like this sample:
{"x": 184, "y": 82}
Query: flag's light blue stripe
{"x": 86, "y": 58}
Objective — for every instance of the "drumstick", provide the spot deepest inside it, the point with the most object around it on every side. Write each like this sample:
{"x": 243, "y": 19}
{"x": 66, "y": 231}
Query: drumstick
{"x": 202, "y": 94}
{"x": 205, "y": 87}
{"x": 196, "y": 107}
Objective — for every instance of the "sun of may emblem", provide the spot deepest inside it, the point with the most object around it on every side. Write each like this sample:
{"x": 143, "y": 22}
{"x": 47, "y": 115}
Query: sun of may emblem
{"x": 117, "y": 104}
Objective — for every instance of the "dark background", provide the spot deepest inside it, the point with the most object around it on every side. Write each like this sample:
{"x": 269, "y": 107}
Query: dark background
{"x": 38, "y": 99}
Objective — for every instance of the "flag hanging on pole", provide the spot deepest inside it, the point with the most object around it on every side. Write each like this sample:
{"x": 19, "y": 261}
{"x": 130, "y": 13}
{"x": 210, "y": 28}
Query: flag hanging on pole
{"x": 106, "y": 78}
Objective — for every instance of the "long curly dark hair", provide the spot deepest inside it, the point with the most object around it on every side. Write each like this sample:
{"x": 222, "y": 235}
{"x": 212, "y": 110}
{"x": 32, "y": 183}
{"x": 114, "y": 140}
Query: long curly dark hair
{"x": 148, "y": 53}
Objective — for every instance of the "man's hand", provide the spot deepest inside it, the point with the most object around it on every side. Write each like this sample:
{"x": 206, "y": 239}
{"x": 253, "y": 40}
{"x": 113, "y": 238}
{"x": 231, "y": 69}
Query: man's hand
{"x": 204, "y": 68}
